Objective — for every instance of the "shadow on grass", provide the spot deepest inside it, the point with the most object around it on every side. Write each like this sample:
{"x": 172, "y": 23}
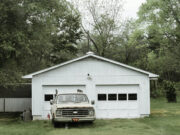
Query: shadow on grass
{"x": 9, "y": 117}
{"x": 79, "y": 125}
{"x": 100, "y": 123}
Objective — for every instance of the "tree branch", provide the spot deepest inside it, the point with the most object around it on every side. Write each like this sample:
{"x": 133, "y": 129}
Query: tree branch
{"x": 95, "y": 45}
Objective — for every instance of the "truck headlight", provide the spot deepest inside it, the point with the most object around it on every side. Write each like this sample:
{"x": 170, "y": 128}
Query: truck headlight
{"x": 58, "y": 112}
{"x": 91, "y": 112}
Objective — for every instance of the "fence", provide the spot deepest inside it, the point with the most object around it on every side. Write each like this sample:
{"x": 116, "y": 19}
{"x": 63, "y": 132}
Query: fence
{"x": 14, "y": 104}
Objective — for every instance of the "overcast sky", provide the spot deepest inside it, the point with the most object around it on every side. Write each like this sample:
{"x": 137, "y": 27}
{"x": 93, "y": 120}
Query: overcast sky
{"x": 131, "y": 7}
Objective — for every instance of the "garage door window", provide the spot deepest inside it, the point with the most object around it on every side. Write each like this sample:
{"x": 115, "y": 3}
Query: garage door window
{"x": 132, "y": 96}
{"x": 48, "y": 97}
{"x": 101, "y": 97}
{"x": 122, "y": 96}
{"x": 112, "y": 97}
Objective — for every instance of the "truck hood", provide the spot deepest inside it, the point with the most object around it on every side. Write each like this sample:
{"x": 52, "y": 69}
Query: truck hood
{"x": 74, "y": 106}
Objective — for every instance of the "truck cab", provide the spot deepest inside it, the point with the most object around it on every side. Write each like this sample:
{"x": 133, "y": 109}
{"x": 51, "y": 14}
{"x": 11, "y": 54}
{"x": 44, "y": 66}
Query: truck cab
{"x": 71, "y": 107}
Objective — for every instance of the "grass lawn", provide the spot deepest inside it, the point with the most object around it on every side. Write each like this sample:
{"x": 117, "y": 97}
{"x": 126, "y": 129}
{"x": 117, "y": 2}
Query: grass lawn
{"x": 164, "y": 120}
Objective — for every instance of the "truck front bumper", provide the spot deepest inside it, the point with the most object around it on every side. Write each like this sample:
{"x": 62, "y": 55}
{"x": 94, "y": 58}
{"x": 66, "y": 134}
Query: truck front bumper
{"x": 70, "y": 119}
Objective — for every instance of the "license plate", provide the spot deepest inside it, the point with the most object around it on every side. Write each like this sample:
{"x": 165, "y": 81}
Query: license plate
{"x": 75, "y": 120}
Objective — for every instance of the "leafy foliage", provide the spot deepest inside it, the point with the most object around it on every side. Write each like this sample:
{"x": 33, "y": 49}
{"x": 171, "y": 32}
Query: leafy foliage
{"x": 34, "y": 35}
{"x": 105, "y": 25}
{"x": 170, "y": 91}
{"x": 38, "y": 34}
{"x": 152, "y": 42}
{"x": 161, "y": 22}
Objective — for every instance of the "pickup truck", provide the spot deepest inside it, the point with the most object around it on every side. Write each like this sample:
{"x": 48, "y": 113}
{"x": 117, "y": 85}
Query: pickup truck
{"x": 71, "y": 107}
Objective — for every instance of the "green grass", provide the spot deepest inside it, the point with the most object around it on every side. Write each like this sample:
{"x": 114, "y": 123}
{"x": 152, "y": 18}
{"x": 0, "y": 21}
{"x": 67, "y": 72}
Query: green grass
{"x": 164, "y": 120}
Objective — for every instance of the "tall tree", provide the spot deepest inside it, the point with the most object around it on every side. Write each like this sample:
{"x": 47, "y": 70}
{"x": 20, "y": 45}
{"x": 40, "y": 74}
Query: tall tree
{"x": 102, "y": 24}
{"x": 161, "y": 22}
{"x": 34, "y": 35}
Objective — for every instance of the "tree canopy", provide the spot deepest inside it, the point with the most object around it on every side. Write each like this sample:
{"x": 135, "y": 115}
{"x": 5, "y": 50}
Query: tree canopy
{"x": 38, "y": 34}
{"x": 34, "y": 35}
{"x": 161, "y": 22}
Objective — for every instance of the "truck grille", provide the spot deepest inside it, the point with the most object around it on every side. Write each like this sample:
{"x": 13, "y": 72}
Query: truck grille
{"x": 75, "y": 112}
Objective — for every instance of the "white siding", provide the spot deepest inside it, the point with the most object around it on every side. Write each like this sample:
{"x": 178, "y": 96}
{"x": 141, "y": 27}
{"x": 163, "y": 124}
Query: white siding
{"x": 93, "y": 67}
{"x": 102, "y": 73}
{"x": 37, "y": 96}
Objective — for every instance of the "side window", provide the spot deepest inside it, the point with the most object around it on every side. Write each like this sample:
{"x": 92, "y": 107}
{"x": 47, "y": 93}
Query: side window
{"x": 48, "y": 97}
{"x": 132, "y": 96}
{"x": 102, "y": 97}
{"x": 112, "y": 97}
{"x": 122, "y": 96}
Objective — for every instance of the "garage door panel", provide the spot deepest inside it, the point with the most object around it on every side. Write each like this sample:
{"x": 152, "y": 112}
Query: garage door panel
{"x": 118, "y": 105}
{"x": 112, "y": 105}
{"x": 47, "y": 106}
{"x": 118, "y": 108}
{"x": 132, "y": 104}
{"x": 125, "y": 113}
{"x": 133, "y": 113}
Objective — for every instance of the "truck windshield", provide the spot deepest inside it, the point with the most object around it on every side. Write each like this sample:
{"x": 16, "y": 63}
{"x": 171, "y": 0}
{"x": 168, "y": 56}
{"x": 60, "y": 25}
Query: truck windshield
{"x": 76, "y": 98}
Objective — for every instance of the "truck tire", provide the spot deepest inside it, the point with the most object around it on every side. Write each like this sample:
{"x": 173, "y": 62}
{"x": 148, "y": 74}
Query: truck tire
{"x": 56, "y": 124}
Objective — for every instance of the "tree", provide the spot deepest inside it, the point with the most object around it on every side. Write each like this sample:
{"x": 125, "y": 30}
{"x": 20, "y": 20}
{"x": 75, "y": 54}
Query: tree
{"x": 160, "y": 20}
{"x": 34, "y": 34}
{"x": 170, "y": 91}
{"x": 104, "y": 24}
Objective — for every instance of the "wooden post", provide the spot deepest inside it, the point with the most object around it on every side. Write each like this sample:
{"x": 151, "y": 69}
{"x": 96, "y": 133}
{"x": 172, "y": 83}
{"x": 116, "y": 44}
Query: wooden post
{"x": 4, "y": 105}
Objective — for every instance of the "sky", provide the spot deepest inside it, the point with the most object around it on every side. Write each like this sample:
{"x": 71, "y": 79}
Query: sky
{"x": 131, "y": 8}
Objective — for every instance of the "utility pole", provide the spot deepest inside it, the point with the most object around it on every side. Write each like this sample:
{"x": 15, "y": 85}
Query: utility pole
{"x": 88, "y": 41}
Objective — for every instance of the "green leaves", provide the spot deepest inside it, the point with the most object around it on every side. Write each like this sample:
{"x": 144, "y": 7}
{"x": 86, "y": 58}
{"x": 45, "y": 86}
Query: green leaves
{"x": 160, "y": 19}
{"x": 31, "y": 31}
{"x": 170, "y": 91}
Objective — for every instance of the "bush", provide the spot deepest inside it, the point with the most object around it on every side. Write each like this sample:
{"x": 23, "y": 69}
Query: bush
{"x": 170, "y": 91}
{"x": 156, "y": 89}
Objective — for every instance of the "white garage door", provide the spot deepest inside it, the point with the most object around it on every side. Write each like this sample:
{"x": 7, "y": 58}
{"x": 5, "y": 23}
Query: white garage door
{"x": 120, "y": 101}
{"x": 49, "y": 91}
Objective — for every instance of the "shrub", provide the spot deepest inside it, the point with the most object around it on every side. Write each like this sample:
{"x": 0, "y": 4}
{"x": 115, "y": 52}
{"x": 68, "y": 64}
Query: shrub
{"x": 156, "y": 89}
{"x": 170, "y": 91}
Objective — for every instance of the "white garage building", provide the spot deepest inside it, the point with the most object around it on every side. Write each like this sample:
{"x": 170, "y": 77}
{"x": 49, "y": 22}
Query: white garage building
{"x": 119, "y": 90}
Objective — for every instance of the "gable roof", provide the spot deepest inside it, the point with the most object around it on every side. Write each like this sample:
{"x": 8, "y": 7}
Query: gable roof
{"x": 91, "y": 54}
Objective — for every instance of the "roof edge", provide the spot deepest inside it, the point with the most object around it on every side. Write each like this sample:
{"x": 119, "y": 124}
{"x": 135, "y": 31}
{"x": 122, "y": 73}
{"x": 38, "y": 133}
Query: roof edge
{"x": 151, "y": 75}
{"x": 28, "y": 76}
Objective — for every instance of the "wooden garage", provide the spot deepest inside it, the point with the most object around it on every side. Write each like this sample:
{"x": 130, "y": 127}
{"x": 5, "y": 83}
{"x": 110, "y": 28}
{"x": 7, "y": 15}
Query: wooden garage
{"x": 119, "y": 90}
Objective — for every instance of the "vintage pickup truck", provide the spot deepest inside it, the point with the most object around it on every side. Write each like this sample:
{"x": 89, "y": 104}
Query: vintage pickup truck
{"x": 71, "y": 107}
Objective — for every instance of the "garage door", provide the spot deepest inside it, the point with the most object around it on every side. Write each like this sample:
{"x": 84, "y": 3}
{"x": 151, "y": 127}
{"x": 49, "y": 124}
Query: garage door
{"x": 49, "y": 91}
{"x": 120, "y": 101}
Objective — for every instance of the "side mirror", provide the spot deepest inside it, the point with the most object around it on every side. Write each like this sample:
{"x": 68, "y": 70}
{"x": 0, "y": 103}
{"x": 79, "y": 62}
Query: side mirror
{"x": 51, "y": 102}
{"x": 92, "y": 102}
